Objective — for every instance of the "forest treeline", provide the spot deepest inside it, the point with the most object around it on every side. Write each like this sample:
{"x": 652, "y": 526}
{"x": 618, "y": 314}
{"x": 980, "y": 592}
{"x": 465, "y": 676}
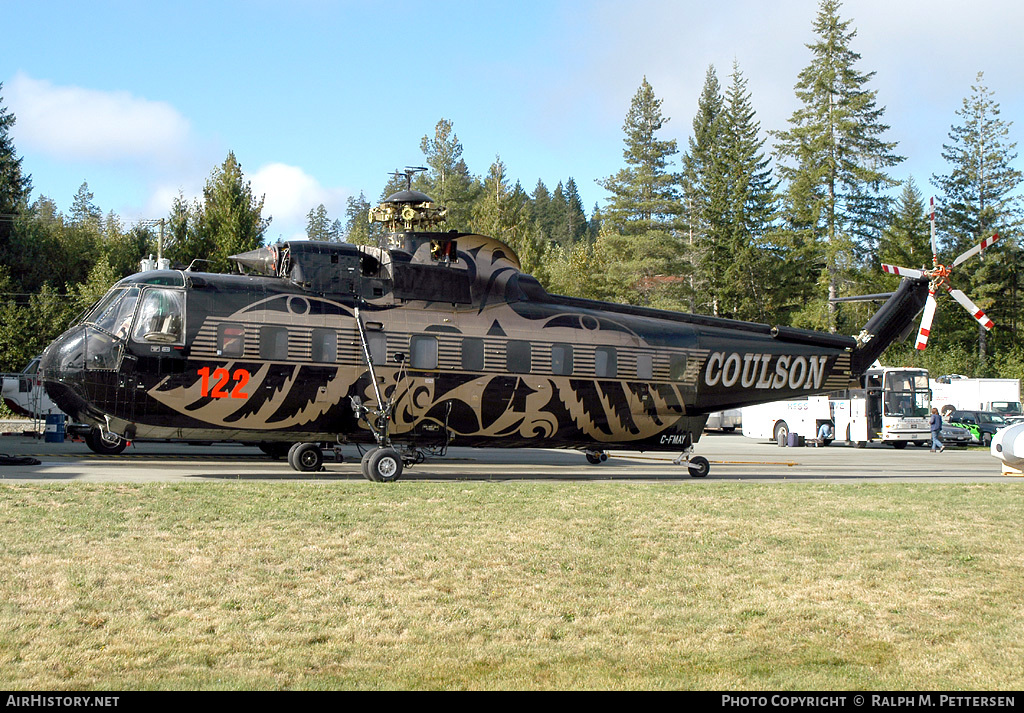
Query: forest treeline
{"x": 755, "y": 225}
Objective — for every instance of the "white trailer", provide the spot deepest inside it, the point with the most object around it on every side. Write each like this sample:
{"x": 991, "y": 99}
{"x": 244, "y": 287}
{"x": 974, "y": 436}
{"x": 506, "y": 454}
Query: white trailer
{"x": 892, "y": 406}
{"x": 954, "y": 392}
{"x": 728, "y": 420}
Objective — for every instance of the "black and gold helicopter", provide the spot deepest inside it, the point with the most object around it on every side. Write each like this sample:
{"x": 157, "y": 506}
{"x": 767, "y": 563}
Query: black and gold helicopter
{"x": 435, "y": 341}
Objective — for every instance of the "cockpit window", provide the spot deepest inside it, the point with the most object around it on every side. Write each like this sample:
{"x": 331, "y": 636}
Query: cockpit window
{"x": 161, "y": 317}
{"x": 114, "y": 312}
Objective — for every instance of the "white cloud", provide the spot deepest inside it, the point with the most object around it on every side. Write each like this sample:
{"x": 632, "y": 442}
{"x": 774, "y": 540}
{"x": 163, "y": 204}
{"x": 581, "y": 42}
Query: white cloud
{"x": 290, "y": 193}
{"x": 75, "y": 124}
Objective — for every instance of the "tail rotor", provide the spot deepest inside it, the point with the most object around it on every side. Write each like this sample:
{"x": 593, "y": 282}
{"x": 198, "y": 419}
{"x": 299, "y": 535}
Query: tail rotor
{"x": 938, "y": 277}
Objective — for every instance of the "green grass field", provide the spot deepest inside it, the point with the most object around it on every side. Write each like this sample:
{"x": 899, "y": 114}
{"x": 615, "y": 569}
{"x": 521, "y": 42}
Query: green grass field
{"x": 511, "y": 585}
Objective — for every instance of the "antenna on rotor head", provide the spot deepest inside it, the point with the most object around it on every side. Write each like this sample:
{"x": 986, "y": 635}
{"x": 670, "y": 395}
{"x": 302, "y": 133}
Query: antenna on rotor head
{"x": 409, "y": 172}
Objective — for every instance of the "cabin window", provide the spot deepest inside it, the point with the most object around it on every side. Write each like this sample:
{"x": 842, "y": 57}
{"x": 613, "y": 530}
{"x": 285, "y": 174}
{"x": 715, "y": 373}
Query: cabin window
{"x": 230, "y": 340}
{"x": 160, "y": 318}
{"x": 644, "y": 367}
{"x": 472, "y": 354}
{"x": 606, "y": 362}
{"x": 274, "y": 343}
{"x": 561, "y": 359}
{"x": 325, "y": 345}
{"x": 677, "y": 367}
{"x": 424, "y": 352}
{"x": 519, "y": 357}
{"x": 377, "y": 342}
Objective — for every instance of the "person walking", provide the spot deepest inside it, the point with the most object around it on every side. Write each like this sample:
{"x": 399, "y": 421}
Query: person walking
{"x": 935, "y": 423}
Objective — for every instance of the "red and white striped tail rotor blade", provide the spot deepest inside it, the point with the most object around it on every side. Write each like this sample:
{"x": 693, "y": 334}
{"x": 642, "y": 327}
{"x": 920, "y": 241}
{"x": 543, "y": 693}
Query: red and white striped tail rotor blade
{"x": 976, "y": 249}
{"x": 965, "y": 301}
{"x": 926, "y": 322}
{"x": 935, "y": 250}
{"x": 903, "y": 271}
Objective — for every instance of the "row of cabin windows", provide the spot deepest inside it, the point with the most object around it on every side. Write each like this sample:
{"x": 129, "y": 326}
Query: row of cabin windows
{"x": 423, "y": 352}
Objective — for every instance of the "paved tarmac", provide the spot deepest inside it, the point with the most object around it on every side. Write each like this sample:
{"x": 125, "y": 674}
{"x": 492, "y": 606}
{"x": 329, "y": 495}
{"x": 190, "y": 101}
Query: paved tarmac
{"x": 733, "y": 457}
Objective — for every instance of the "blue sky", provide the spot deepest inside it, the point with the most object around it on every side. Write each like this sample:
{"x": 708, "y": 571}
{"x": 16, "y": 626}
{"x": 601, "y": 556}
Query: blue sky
{"x": 322, "y": 99}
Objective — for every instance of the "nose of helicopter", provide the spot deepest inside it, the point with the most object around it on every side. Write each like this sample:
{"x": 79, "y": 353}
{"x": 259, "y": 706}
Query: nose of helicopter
{"x": 62, "y": 370}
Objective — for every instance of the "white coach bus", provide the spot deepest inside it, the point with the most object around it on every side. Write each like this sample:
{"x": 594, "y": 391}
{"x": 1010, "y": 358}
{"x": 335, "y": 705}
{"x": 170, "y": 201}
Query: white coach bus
{"x": 892, "y": 405}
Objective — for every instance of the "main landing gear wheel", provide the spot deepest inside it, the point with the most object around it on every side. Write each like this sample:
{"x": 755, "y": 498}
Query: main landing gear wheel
{"x": 382, "y": 465}
{"x": 106, "y": 444}
{"x": 699, "y": 467}
{"x": 306, "y": 457}
{"x": 596, "y": 457}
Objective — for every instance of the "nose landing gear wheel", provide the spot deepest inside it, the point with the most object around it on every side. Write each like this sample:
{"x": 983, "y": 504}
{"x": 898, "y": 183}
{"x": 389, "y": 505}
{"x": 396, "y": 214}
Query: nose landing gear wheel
{"x": 106, "y": 444}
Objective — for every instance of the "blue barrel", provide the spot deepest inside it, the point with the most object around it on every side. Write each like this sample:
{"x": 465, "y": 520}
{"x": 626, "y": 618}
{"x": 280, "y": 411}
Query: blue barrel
{"x": 54, "y": 432}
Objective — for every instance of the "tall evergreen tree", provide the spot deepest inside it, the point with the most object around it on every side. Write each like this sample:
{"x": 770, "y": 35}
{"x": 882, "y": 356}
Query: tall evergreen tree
{"x": 358, "y": 229}
{"x": 833, "y": 161}
{"x": 644, "y": 194}
{"x": 84, "y": 210}
{"x": 754, "y": 287}
{"x": 540, "y": 209}
{"x": 448, "y": 181}
{"x": 704, "y": 198}
{"x": 231, "y": 218}
{"x": 15, "y": 186}
{"x": 574, "y": 221}
{"x": 980, "y": 196}
{"x": 319, "y": 226}
{"x": 639, "y": 224}
{"x": 907, "y": 239}
{"x": 183, "y": 242}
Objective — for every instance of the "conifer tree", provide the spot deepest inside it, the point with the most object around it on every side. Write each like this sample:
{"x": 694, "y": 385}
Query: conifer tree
{"x": 907, "y": 239}
{"x": 501, "y": 212}
{"x": 645, "y": 194}
{"x": 833, "y": 160}
{"x": 754, "y": 287}
{"x": 540, "y": 209}
{"x": 231, "y": 219}
{"x": 704, "y": 199}
{"x": 448, "y": 182}
{"x": 182, "y": 240}
{"x": 980, "y": 196}
{"x": 639, "y": 242}
{"x": 319, "y": 226}
{"x": 358, "y": 229}
{"x": 15, "y": 186}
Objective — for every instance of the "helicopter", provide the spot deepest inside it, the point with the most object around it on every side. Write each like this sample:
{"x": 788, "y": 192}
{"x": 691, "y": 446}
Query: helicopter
{"x": 434, "y": 339}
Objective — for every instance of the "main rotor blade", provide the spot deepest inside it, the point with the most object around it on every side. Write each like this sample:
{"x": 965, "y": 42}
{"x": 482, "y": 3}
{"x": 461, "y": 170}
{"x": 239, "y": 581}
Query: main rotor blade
{"x": 976, "y": 249}
{"x": 926, "y": 321}
{"x": 904, "y": 271}
{"x": 965, "y": 301}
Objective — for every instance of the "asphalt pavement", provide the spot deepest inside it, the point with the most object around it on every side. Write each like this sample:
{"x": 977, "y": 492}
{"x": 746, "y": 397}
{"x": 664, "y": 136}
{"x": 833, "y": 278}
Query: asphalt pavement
{"x": 732, "y": 456}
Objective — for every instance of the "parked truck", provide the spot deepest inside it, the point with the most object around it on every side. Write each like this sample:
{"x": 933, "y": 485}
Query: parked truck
{"x": 960, "y": 393}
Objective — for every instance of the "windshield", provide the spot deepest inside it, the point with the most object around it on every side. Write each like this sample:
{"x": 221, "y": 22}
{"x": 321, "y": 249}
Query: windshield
{"x": 991, "y": 418}
{"x": 1008, "y": 407}
{"x": 113, "y": 314}
{"x": 907, "y": 394}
